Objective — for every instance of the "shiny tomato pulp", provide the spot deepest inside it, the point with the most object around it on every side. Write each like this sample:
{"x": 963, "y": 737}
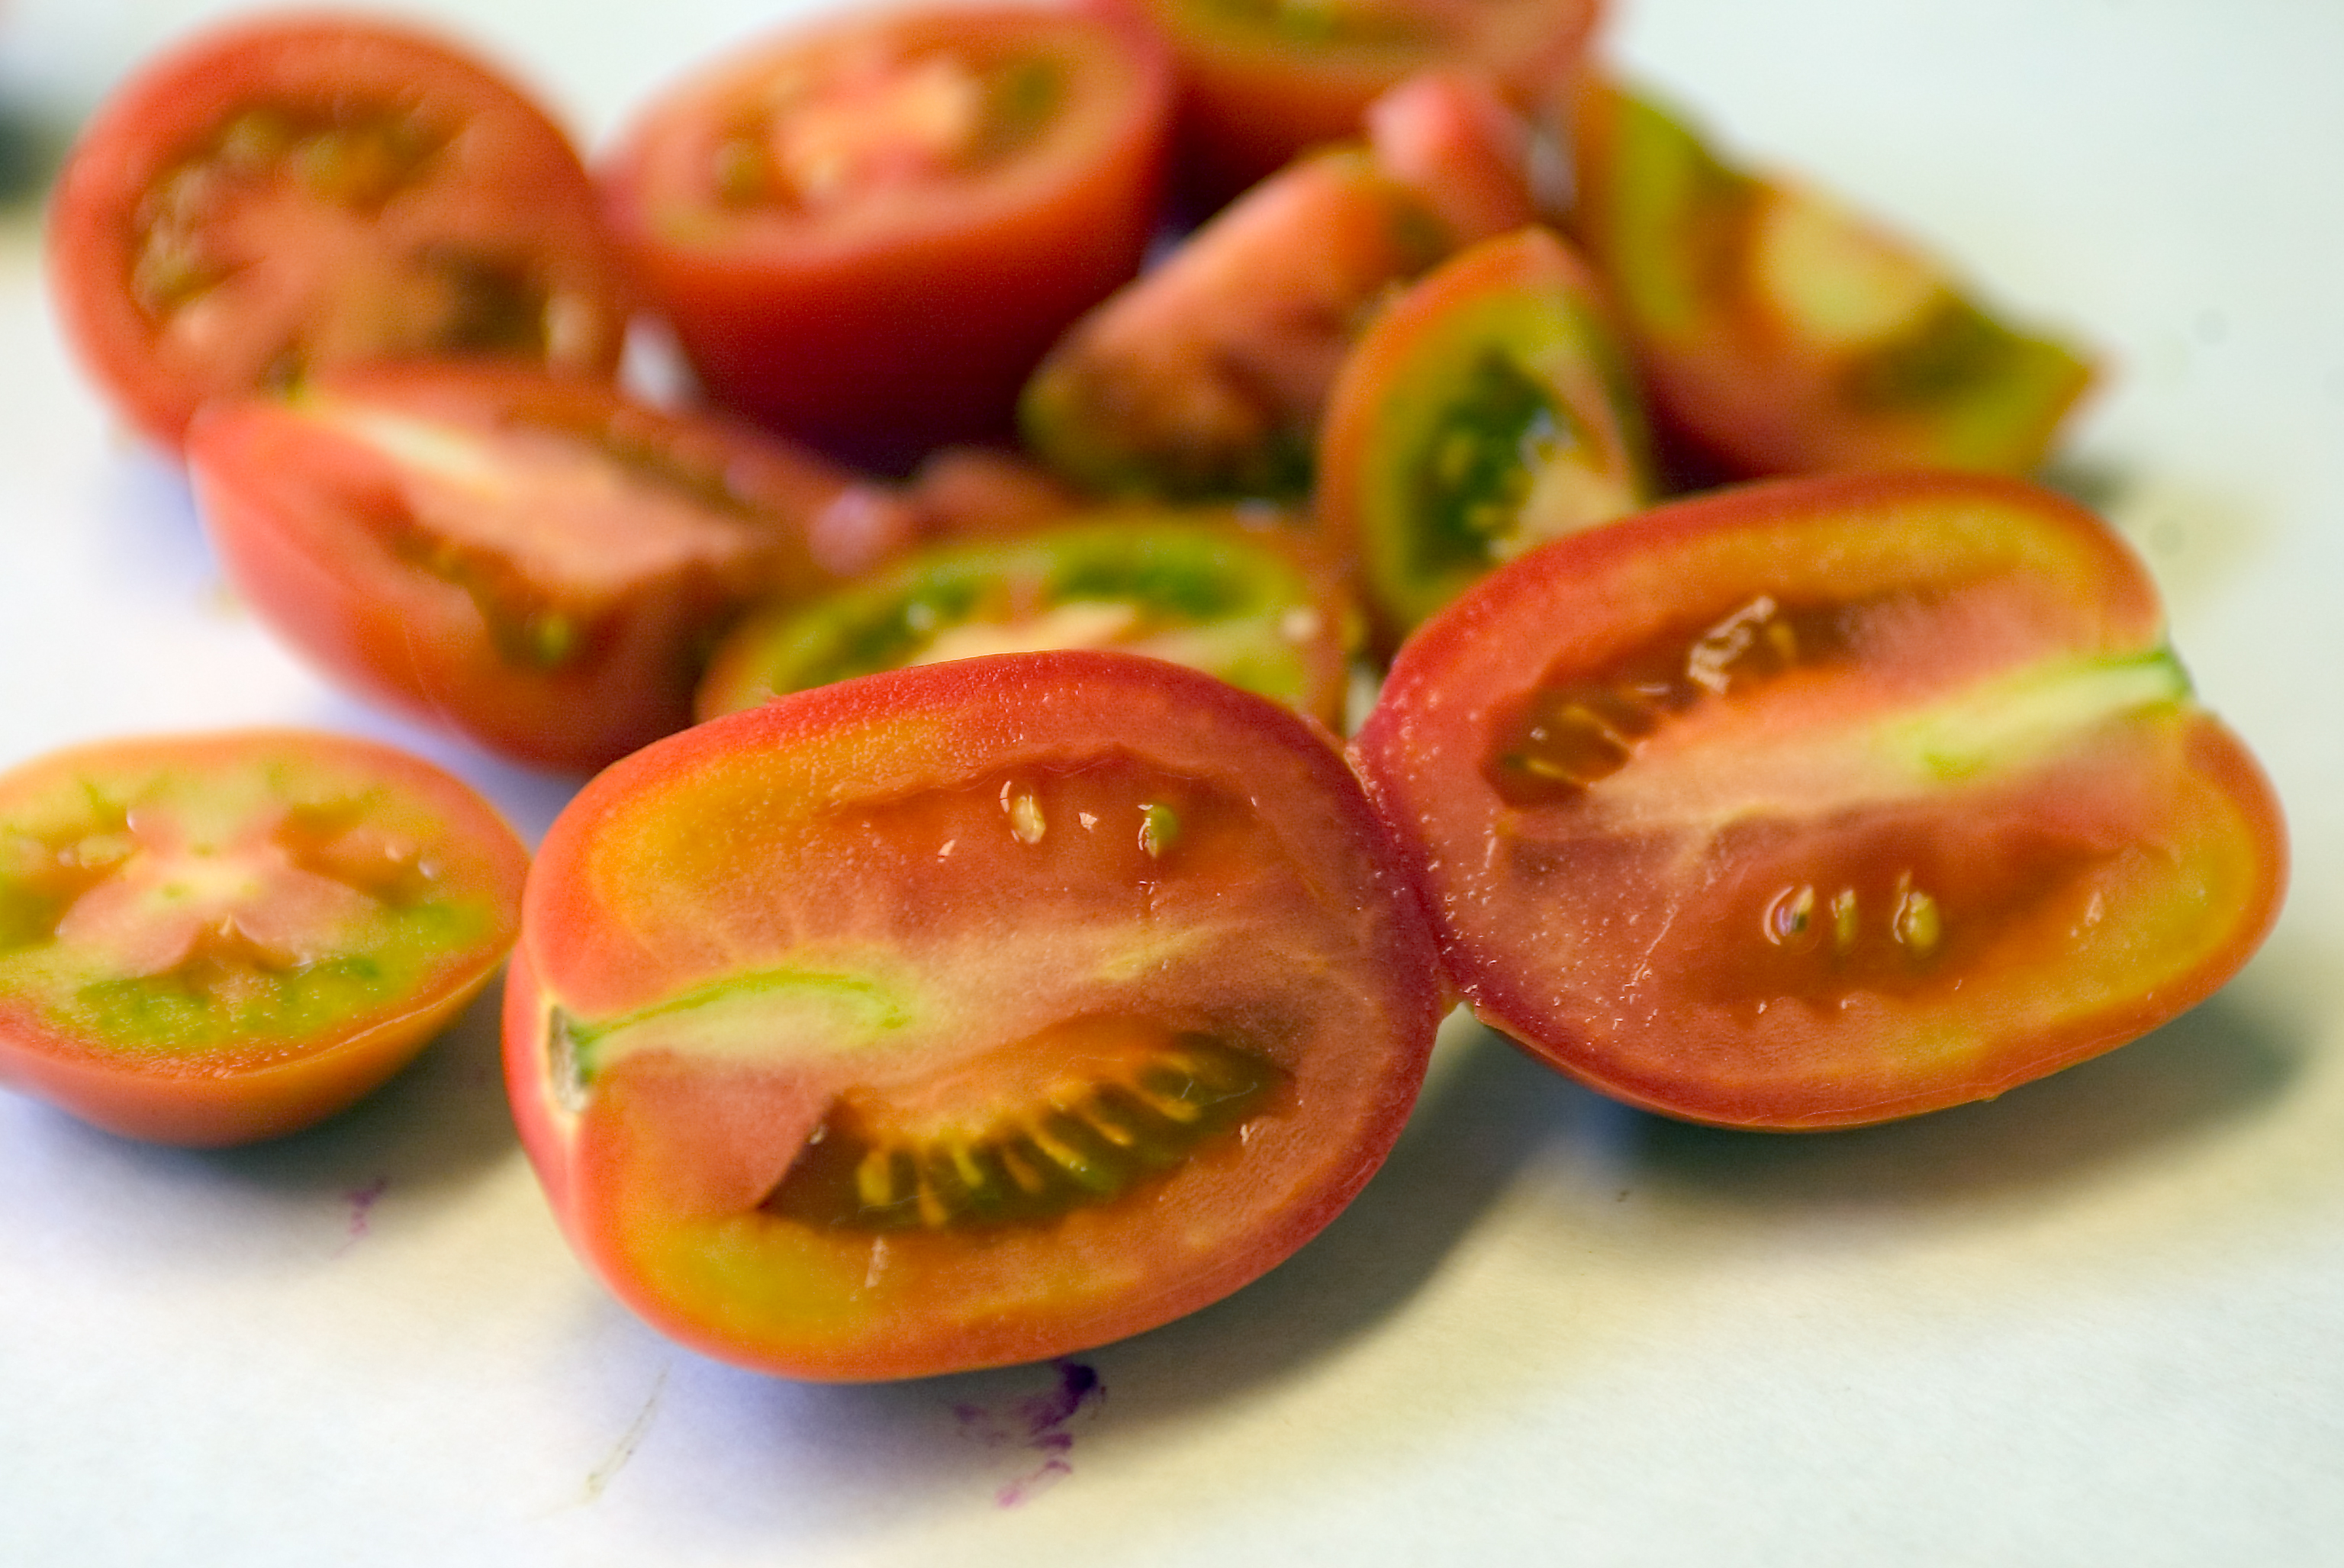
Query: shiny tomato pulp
{"x": 964, "y": 1014}
{"x": 1824, "y": 802}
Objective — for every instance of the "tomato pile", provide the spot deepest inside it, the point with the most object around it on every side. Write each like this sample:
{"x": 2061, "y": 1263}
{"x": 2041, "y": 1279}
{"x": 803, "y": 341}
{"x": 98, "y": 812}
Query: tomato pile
{"x": 975, "y": 942}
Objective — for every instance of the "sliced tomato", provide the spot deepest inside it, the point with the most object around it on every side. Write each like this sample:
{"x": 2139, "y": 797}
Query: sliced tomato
{"x": 1824, "y": 802}
{"x": 963, "y": 1015}
{"x": 867, "y": 232}
{"x": 210, "y": 939}
{"x": 1205, "y": 378}
{"x": 1782, "y": 333}
{"x": 532, "y": 561}
{"x": 1197, "y": 586}
{"x": 280, "y": 195}
{"x": 1490, "y": 408}
{"x": 1264, "y": 79}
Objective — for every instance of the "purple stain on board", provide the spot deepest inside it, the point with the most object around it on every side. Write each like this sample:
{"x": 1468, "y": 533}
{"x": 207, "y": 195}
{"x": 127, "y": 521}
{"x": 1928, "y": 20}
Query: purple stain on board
{"x": 1038, "y": 1423}
{"x": 362, "y": 1200}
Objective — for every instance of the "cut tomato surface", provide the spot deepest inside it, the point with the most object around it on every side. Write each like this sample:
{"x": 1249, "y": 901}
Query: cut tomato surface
{"x": 1258, "y": 608}
{"x": 1489, "y": 408}
{"x": 280, "y": 195}
{"x": 1824, "y": 802}
{"x": 210, "y": 939}
{"x": 1780, "y": 332}
{"x": 867, "y": 231}
{"x": 964, "y": 1014}
{"x": 534, "y": 562}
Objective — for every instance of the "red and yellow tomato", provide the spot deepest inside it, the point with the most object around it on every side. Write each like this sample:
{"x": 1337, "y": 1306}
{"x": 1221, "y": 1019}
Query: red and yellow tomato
{"x": 1824, "y": 802}
{"x": 964, "y": 1014}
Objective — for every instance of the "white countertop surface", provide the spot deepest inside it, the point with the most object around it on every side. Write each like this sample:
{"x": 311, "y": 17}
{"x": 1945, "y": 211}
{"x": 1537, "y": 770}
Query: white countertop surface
{"x": 2099, "y": 1320}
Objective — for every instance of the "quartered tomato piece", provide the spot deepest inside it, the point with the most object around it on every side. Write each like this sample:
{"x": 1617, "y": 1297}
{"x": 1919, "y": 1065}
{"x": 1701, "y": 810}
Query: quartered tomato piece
{"x": 534, "y": 562}
{"x": 285, "y": 194}
{"x": 1194, "y": 586}
{"x": 1264, "y": 79}
{"x": 1489, "y": 408}
{"x": 1824, "y": 802}
{"x": 1205, "y": 378}
{"x": 210, "y": 939}
{"x": 963, "y": 1015}
{"x": 865, "y": 233}
{"x": 1782, "y": 333}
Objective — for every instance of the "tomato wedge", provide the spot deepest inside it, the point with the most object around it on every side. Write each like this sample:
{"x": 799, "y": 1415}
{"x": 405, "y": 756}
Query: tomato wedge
{"x": 280, "y": 196}
{"x": 963, "y": 1015}
{"x": 867, "y": 232}
{"x": 1781, "y": 333}
{"x": 1197, "y": 586}
{"x": 532, "y": 561}
{"x": 1264, "y": 79}
{"x": 210, "y": 939}
{"x": 1824, "y": 802}
{"x": 1489, "y": 408}
{"x": 1205, "y": 378}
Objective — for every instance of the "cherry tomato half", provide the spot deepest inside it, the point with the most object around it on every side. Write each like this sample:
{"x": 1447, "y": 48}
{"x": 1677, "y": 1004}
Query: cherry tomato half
{"x": 1264, "y": 79}
{"x": 532, "y": 561}
{"x": 210, "y": 939}
{"x": 865, "y": 233}
{"x": 1824, "y": 802}
{"x": 1255, "y": 607}
{"x": 1488, "y": 408}
{"x": 963, "y": 1015}
{"x": 284, "y": 195}
{"x": 1781, "y": 333}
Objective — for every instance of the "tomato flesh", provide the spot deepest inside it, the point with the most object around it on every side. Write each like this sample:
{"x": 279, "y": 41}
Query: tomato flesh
{"x": 1823, "y": 802}
{"x": 284, "y": 196}
{"x": 1191, "y": 585}
{"x": 964, "y": 1014}
{"x": 537, "y": 562}
{"x": 213, "y": 939}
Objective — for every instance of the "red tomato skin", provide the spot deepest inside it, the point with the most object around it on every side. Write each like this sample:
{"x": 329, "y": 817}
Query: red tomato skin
{"x": 1250, "y": 104}
{"x": 1687, "y": 1055}
{"x": 521, "y": 168}
{"x": 220, "y": 1102}
{"x": 621, "y": 1180}
{"x": 912, "y": 326}
{"x": 290, "y": 510}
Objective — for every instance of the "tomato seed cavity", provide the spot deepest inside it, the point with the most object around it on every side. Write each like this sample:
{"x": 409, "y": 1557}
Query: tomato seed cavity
{"x": 1565, "y": 737}
{"x": 1082, "y": 1144}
